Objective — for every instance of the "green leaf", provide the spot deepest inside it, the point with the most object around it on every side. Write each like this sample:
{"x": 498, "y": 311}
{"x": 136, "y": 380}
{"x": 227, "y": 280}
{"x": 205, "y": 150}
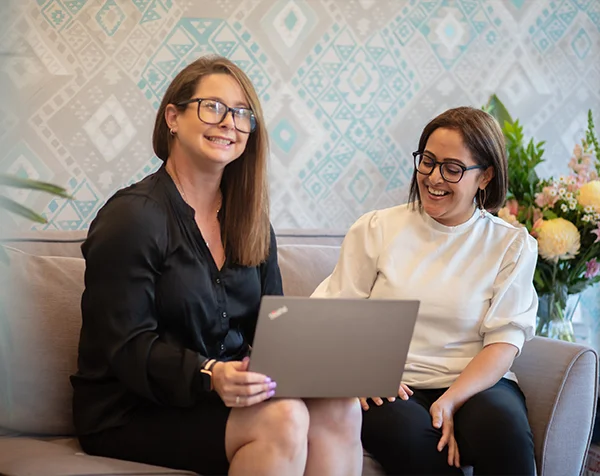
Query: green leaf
{"x": 17, "y": 182}
{"x": 497, "y": 109}
{"x": 19, "y": 209}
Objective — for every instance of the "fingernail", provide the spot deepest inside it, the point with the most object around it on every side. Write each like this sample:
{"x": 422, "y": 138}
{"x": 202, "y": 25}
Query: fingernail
{"x": 273, "y": 385}
{"x": 271, "y": 393}
{"x": 404, "y": 397}
{"x": 267, "y": 380}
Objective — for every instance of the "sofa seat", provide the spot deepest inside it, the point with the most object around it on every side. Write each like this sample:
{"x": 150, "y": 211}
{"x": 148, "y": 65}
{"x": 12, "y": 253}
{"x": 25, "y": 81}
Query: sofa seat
{"x": 42, "y": 291}
{"x": 33, "y": 457}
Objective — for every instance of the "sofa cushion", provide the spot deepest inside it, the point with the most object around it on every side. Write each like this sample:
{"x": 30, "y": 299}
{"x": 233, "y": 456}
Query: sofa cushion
{"x": 303, "y": 267}
{"x": 40, "y": 330}
{"x": 26, "y": 456}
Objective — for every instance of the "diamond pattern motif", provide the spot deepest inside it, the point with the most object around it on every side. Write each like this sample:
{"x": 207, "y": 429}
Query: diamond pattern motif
{"x": 346, "y": 88}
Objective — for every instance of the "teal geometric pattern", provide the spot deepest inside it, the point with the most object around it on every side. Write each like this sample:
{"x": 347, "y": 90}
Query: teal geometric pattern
{"x": 449, "y": 26}
{"x": 557, "y": 18}
{"x": 57, "y": 14}
{"x": 346, "y": 87}
{"x": 110, "y": 17}
{"x": 355, "y": 91}
{"x": 193, "y": 37}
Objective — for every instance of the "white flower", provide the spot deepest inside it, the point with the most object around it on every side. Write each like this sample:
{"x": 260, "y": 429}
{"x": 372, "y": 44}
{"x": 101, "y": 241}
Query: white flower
{"x": 564, "y": 207}
{"x": 561, "y": 192}
{"x": 553, "y": 192}
{"x": 586, "y": 218}
{"x": 569, "y": 196}
{"x": 572, "y": 204}
{"x": 589, "y": 209}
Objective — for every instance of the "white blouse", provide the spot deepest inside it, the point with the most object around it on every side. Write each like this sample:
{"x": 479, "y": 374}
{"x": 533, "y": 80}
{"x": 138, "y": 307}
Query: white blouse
{"x": 474, "y": 282}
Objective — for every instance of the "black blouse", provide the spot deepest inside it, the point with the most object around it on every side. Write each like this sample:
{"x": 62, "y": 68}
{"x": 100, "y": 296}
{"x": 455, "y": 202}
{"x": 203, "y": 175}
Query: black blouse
{"x": 155, "y": 306}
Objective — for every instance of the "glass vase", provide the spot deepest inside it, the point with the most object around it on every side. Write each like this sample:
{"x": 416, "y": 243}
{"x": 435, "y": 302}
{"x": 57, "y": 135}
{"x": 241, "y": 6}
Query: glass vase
{"x": 555, "y": 314}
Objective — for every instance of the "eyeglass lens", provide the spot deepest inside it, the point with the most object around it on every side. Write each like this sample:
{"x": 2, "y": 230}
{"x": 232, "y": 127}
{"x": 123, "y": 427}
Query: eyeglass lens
{"x": 213, "y": 112}
{"x": 450, "y": 172}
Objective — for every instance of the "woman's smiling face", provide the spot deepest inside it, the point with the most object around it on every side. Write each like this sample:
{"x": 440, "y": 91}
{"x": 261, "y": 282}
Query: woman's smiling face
{"x": 450, "y": 203}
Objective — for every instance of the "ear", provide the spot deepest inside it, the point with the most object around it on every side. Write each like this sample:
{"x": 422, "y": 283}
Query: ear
{"x": 171, "y": 115}
{"x": 486, "y": 177}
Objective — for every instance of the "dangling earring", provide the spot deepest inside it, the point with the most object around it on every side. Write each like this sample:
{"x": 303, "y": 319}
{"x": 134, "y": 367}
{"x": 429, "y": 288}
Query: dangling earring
{"x": 482, "y": 197}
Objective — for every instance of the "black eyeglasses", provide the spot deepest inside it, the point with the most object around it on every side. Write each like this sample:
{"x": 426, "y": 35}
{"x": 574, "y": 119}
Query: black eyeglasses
{"x": 450, "y": 171}
{"x": 211, "y": 111}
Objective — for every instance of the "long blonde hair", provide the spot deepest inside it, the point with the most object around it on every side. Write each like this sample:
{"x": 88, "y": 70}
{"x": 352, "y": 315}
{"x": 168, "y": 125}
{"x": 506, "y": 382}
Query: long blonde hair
{"x": 245, "y": 226}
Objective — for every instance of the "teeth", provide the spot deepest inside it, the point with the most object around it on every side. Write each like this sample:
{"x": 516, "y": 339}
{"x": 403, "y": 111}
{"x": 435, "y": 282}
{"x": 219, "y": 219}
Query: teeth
{"x": 218, "y": 140}
{"x": 438, "y": 193}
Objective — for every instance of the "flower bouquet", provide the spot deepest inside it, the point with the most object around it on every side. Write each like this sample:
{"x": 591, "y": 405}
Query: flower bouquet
{"x": 563, "y": 214}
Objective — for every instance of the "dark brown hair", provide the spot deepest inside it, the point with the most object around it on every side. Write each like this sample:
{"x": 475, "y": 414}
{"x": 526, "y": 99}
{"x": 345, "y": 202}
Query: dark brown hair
{"x": 483, "y": 136}
{"x": 245, "y": 226}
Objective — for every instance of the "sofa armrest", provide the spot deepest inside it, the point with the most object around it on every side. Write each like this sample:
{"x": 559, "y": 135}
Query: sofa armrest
{"x": 560, "y": 382}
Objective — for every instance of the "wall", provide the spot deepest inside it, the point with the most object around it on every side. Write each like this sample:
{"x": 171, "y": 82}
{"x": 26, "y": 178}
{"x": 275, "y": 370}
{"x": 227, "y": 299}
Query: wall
{"x": 347, "y": 86}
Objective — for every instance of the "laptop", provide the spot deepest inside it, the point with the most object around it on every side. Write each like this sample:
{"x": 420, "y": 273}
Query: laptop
{"x": 324, "y": 348}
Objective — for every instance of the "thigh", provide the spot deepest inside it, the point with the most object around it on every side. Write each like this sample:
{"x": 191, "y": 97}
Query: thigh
{"x": 494, "y": 423}
{"x": 191, "y": 439}
{"x": 278, "y": 417}
{"x": 401, "y": 437}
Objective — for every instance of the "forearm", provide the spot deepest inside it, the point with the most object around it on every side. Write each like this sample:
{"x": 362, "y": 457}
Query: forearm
{"x": 483, "y": 372}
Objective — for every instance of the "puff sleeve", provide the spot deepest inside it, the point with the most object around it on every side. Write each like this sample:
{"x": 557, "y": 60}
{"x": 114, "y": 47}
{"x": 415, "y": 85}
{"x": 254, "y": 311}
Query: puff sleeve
{"x": 357, "y": 266}
{"x": 512, "y": 313}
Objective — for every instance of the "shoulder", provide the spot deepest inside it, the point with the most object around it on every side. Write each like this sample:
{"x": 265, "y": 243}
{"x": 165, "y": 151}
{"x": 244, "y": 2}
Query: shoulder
{"x": 516, "y": 240}
{"x": 135, "y": 214}
{"x": 139, "y": 202}
{"x": 384, "y": 218}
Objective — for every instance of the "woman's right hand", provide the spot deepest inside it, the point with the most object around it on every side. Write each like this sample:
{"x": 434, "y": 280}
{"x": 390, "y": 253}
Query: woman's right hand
{"x": 404, "y": 392}
{"x": 239, "y": 388}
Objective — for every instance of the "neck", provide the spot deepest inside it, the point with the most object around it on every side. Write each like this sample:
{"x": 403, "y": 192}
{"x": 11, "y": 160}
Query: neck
{"x": 199, "y": 188}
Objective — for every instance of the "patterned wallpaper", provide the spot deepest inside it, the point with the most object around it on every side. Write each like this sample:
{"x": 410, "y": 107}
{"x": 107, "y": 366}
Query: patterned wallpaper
{"x": 347, "y": 86}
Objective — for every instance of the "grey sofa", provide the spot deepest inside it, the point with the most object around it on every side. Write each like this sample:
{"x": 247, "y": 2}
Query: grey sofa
{"x": 41, "y": 290}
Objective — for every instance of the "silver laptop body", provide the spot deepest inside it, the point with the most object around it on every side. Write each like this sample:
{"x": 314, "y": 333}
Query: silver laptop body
{"x": 326, "y": 348}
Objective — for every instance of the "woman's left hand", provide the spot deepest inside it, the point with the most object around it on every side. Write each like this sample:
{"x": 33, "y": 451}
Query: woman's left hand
{"x": 442, "y": 417}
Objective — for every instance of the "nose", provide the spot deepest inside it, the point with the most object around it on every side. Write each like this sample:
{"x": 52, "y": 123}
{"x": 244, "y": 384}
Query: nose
{"x": 227, "y": 121}
{"x": 436, "y": 175}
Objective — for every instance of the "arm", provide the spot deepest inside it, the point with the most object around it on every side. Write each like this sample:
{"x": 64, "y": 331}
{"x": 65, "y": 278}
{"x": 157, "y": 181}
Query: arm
{"x": 509, "y": 322}
{"x": 270, "y": 275}
{"x": 357, "y": 267}
{"x": 124, "y": 253}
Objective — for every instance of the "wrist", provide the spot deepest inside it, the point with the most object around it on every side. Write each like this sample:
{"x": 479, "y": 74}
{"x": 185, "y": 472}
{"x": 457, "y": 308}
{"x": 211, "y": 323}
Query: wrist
{"x": 206, "y": 370}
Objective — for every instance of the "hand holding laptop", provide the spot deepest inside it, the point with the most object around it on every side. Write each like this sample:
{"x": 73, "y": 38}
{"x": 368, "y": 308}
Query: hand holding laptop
{"x": 238, "y": 387}
{"x": 404, "y": 392}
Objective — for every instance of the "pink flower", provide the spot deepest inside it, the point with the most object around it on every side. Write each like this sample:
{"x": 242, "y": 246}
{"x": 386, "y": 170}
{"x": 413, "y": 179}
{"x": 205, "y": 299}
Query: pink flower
{"x": 537, "y": 226}
{"x": 593, "y": 268}
{"x": 547, "y": 197}
{"x": 513, "y": 207}
{"x": 537, "y": 215}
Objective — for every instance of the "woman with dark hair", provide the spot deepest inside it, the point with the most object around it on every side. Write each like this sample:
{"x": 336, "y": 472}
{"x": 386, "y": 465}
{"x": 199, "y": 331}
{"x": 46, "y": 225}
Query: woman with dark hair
{"x": 175, "y": 269}
{"x": 473, "y": 274}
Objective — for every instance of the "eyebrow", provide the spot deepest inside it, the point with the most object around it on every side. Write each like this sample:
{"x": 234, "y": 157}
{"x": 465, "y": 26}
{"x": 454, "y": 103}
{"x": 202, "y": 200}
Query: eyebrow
{"x": 238, "y": 104}
{"x": 445, "y": 159}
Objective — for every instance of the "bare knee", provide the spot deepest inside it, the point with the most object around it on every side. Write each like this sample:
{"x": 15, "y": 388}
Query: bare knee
{"x": 342, "y": 416}
{"x": 285, "y": 423}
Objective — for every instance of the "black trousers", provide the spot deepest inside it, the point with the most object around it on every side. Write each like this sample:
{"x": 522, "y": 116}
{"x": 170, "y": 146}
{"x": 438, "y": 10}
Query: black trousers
{"x": 491, "y": 430}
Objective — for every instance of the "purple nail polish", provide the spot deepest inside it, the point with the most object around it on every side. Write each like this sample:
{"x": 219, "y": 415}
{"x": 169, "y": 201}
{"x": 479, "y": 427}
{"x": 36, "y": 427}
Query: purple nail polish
{"x": 271, "y": 393}
{"x": 267, "y": 380}
{"x": 273, "y": 385}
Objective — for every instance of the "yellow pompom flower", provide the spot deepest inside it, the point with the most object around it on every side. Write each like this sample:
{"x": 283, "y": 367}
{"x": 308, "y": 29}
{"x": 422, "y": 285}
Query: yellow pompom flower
{"x": 589, "y": 195}
{"x": 558, "y": 239}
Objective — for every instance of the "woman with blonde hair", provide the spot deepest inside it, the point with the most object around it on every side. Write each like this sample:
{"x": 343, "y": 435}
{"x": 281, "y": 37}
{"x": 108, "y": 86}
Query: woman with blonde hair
{"x": 176, "y": 265}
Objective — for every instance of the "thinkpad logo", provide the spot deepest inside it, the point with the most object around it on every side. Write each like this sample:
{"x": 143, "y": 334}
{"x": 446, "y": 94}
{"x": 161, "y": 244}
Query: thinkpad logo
{"x": 278, "y": 312}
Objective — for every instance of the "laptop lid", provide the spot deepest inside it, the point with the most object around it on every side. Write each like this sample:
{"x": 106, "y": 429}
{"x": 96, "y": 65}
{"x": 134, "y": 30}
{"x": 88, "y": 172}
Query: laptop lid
{"x": 326, "y": 348}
